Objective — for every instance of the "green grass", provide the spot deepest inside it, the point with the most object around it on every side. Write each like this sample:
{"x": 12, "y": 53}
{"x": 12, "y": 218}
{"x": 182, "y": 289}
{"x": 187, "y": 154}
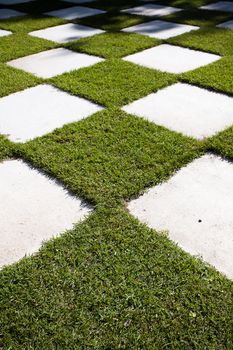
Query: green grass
{"x": 6, "y": 148}
{"x": 112, "y": 21}
{"x": 199, "y": 17}
{"x": 113, "y": 45}
{"x": 13, "y": 80}
{"x": 20, "y": 45}
{"x": 215, "y": 40}
{"x": 113, "y": 82}
{"x": 111, "y": 155}
{"x": 222, "y": 143}
{"x": 114, "y": 284}
{"x": 217, "y": 76}
{"x": 27, "y": 24}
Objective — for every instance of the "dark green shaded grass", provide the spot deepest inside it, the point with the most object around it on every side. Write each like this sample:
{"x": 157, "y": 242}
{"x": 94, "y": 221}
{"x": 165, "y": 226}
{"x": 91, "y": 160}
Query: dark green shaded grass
{"x": 215, "y": 40}
{"x": 41, "y": 6}
{"x": 13, "y": 80}
{"x": 111, "y": 156}
{"x": 6, "y": 148}
{"x": 222, "y": 143}
{"x": 30, "y": 23}
{"x": 20, "y": 45}
{"x": 216, "y": 76}
{"x": 113, "y": 82}
{"x": 114, "y": 284}
{"x": 189, "y": 4}
{"x": 113, "y": 45}
{"x": 112, "y": 21}
{"x": 199, "y": 17}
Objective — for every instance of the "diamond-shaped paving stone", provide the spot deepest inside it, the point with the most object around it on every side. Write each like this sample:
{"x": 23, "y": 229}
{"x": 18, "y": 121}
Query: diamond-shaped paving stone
{"x": 195, "y": 206}
{"x": 13, "y": 2}
{"x": 4, "y": 32}
{"x": 75, "y": 12}
{"x": 33, "y": 208}
{"x": 54, "y": 62}
{"x": 66, "y": 32}
{"x": 7, "y": 13}
{"x": 187, "y": 109}
{"x": 39, "y": 110}
{"x": 151, "y": 10}
{"x": 172, "y": 59}
{"x": 160, "y": 29}
{"x": 220, "y": 6}
{"x": 227, "y": 25}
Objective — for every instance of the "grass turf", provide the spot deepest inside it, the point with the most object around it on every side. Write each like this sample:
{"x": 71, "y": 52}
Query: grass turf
{"x": 216, "y": 76}
{"x": 215, "y": 40}
{"x": 113, "y": 82}
{"x": 112, "y": 283}
{"x": 13, "y": 80}
{"x": 110, "y": 156}
{"x": 113, "y": 45}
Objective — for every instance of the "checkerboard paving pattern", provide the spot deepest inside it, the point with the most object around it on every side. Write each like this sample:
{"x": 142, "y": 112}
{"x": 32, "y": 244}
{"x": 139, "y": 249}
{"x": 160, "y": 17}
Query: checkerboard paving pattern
{"x": 160, "y": 29}
{"x": 219, "y": 6}
{"x": 172, "y": 59}
{"x": 8, "y": 13}
{"x": 152, "y": 10}
{"x": 200, "y": 197}
{"x": 75, "y": 12}
{"x": 4, "y": 32}
{"x": 50, "y": 63}
{"x": 51, "y": 210}
{"x": 66, "y": 32}
{"x": 227, "y": 25}
{"x": 191, "y": 110}
{"x": 195, "y": 203}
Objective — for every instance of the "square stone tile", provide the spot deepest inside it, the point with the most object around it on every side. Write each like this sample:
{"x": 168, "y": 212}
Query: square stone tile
{"x": 4, "y": 32}
{"x": 50, "y": 63}
{"x": 152, "y": 10}
{"x": 160, "y": 29}
{"x": 66, "y": 32}
{"x": 8, "y": 13}
{"x": 195, "y": 206}
{"x": 75, "y": 12}
{"x": 188, "y": 109}
{"x": 219, "y": 6}
{"x": 33, "y": 208}
{"x": 172, "y": 59}
{"x": 227, "y": 25}
{"x": 79, "y": 1}
{"x": 39, "y": 110}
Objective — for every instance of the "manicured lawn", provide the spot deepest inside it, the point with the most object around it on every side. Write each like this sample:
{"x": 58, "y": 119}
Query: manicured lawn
{"x": 111, "y": 282}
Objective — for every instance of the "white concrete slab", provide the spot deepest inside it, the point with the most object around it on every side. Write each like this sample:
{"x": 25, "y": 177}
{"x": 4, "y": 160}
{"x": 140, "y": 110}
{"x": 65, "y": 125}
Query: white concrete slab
{"x": 13, "y": 2}
{"x": 188, "y": 109}
{"x": 4, "y": 32}
{"x": 8, "y": 13}
{"x": 172, "y": 59}
{"x": 33, "y": 208}
{"x": 79, "y": 1}
{"x": 66, "y": 32}
{"x": 227, "y": 25}
{"x": 226, "y": 6}
{"x": 160, "y": 29}
{"x": 39, "y": 110}
{"x": 50, "y": 63}
{"x": 152, "y": 10}
{"x": 195, "y": 206}
{"x": 75, "y": 12}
